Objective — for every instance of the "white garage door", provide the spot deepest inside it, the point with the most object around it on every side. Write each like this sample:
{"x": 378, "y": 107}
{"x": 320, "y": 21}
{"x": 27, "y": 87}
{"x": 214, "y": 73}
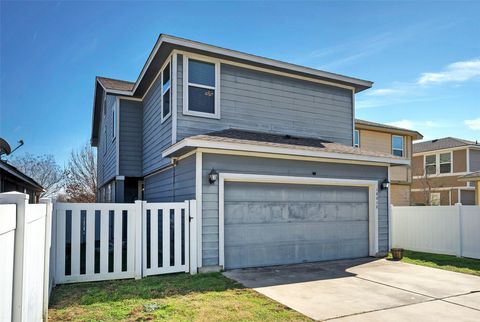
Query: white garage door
{"x": 273, "y": 224}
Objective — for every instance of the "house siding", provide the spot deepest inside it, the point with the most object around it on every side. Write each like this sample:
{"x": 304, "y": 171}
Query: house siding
{"x": 173, "y": 184}
{"x": 259, "y": 101}
{"x": 474, "y": 160}
{"x": 255, "y": 165}
{"x": 106, "y": 157}
{"x": 130, "y": 143}
{"x": 157, "y": 136}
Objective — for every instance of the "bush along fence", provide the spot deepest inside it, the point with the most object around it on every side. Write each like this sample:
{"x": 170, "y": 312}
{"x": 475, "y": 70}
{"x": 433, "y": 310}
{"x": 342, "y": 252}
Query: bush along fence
{"x": 43, "y": 245}
{"x": 449, "y": 230}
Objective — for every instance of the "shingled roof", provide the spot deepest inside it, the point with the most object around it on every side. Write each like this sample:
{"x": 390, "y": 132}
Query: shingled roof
{"x": 443, "y": 143}
{"x": 394, "y": 129}
{"x": 115, "y": 84}
{"x": 246, "y": 139}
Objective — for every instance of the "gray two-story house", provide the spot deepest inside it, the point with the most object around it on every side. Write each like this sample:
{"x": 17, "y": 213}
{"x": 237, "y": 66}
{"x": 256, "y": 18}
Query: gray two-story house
{"x": 263, "y": 146}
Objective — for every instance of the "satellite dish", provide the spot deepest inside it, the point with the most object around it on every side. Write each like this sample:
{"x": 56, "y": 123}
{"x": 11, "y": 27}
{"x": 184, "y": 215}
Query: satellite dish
{"x": 5, "y": 147}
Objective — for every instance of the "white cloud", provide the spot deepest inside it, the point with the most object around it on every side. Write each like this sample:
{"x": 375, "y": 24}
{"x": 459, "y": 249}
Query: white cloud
{"x": 473, "y": 124}
{"x": 383, "y": 92}
{"x": 412, "y": 125}
{"x": 461, "y": 71}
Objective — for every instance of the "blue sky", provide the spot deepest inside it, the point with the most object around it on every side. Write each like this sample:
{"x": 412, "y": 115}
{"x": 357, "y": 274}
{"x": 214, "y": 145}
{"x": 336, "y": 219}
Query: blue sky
{"x": 424, "y": 57}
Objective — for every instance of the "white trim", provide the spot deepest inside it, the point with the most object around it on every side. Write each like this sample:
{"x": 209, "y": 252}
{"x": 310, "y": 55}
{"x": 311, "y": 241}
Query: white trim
{"x": 250, "y": 58}
{"x": 354, "y": 144}
{"x": 463, "y": 147}
{"x": 118, "y": 178}
{"x": 174, "y": 103}
{"x": 187, "y": 83}
{"x": 196, "y": 143}
{"x": 444, "y": 189}
{"x": 116, "y": 107}
{"x": 167, "y": 61}
{"x": 241, "y": 177}
{"x": 403, "y": 145}
{"x": 198, "y": 198}
{"x": 389, "y": 209}
{"x": 130, "y": 98}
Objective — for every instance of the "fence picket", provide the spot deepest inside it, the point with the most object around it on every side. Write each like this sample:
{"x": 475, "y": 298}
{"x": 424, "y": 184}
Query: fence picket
{"x": 75, "y": 254}
{"x": 60, "y": 244}
{"x": 90, "y": 243}
{"x": 153, "y": 239}
{"x": 104, "y": 218}
{"x": 178, "y": 236}
{"x": 117, "y": 241}
{"x": 166, "y": 238}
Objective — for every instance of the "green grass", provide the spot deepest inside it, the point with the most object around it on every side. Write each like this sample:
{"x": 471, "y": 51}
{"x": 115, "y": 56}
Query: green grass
{"x": 447, "y": 262}
{"x": 179, "y": 297}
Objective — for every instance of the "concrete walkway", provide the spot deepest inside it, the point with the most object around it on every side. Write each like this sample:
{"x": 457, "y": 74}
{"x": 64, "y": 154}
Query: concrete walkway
{"x": 368, "y": 290}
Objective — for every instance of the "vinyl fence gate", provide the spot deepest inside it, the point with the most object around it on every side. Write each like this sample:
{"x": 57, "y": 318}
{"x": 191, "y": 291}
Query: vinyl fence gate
{"x": 103, "y": 241}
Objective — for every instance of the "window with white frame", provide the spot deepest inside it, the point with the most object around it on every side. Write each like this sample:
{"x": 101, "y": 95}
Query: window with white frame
{"x": 397, "y": 146}
{"x": 166, "y": 91}
{"x": 356, "y": 138}
{"x": 435, "y": 199}
{"x": 201, "y": 88}
{"x": 114, "y": 122}
{"x": 431, "y": 164}
{"x": 445, "y": 162}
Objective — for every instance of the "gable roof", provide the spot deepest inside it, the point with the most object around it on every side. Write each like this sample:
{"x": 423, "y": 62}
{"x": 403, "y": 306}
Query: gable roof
{"x": 389, "y": 128}
{"x": 166, "y": 43}
{"x": 443, "y": 143}
{"x": 234, "y": 139}
{"x": 20, "y": 175}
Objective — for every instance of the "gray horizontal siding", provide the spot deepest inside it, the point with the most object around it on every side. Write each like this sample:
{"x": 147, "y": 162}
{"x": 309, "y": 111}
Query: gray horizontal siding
{"x": 130, "y": 138}
{"x": 254, "y": 100}
{"x": 172, "y": 184}
{"x": 254, "y": 165}
{"x": 156, "y": 136}
{"x": 106, "y": 158}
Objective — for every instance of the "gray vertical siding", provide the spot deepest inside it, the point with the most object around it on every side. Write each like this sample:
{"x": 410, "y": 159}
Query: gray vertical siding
{"x": 157, "y": 136}
{"x": 474, "y": 160}
{"x": 130, "y": 138}
{"x": 106, "y": 158}
{"x": 172, "y": 184}
{"x": 260, "y": 101}
{"x": 254, "y": 165}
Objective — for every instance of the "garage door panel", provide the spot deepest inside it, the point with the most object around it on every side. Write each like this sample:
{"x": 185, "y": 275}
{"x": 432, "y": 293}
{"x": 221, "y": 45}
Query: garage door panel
{"x": 271, "y": 212}
{"x": 273, "y": 224}
{"x": 252, "y": 234}
{"x": 275, "y": 192}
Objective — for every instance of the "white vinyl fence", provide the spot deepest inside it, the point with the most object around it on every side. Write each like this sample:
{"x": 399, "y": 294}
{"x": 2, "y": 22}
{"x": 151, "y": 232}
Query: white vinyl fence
{"x": 450, "y": 230}
{"x": 112, "y": 241}
{"x": 25, "y": 252}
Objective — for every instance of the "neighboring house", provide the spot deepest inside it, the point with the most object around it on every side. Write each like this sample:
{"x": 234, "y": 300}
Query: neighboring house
{"x": 390, "y": 139}
{"x": 12, "y": 179}
{"x": 473, "y": 178}
{"x": 437, "y": 166}
{"x": 264, "y": 147}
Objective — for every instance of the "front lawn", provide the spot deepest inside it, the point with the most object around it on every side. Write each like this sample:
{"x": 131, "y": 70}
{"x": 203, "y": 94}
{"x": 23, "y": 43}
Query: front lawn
{"x": 447, "y": 262}
{"x": 179, "y": 297}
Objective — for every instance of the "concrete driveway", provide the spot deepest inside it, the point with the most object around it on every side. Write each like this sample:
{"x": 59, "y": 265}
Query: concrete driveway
{"x": 368, "y": 290}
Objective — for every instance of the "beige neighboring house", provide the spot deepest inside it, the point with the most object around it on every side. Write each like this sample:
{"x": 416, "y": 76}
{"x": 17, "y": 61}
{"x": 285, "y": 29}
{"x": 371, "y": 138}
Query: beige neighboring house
{"x": 439, "y": 170}
{"x": 394, "y": 140}
{"x": 473, "y": 178}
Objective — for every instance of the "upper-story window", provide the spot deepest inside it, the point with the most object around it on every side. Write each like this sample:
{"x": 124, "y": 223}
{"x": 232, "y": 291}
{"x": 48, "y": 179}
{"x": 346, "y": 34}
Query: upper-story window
{"x": 445, "y": 162}
{"x": 114, "y": 122}
{"x": 201, "y": 88}
{"x": 398, "y": 146}
{"x": 431, "y": 164}
{"x": 166, "y": 91}
{"x": 438, "y": 163}
{"x": 356, "y": 138}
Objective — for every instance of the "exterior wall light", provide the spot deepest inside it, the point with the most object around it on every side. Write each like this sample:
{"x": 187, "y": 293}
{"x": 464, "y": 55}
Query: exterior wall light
{"x": 212, "y": 176}
{"x": 385, "y": 184}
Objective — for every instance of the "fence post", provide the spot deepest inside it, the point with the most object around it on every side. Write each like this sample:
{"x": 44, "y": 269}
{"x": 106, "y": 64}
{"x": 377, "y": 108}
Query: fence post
{"x": 193, "y": 236}
{"x": 139, "y": 205}
{"x": 460, "y": 230}
{"x": 46, "y": 265}
{"x": 21, "y": 200}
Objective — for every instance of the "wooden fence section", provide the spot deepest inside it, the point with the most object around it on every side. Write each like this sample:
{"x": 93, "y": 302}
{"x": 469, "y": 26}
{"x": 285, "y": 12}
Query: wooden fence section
{"x": 112, "y": 241}
{"x": 450, "y": 230}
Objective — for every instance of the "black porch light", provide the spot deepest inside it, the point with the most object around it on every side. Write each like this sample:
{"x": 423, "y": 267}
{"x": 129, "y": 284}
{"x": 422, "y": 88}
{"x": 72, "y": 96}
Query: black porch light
{"x": 385, "y": 184}
{"x": 212, "y": 176}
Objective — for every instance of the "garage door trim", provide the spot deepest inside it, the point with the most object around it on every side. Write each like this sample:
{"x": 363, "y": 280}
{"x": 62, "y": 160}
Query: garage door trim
{"x": 258, "y": 178}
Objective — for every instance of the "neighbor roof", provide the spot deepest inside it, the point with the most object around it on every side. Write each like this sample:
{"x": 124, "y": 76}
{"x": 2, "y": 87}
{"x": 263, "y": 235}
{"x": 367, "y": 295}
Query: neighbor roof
{"x": 19, "y": 175}
{"x": 235, "y": 139}
{"x": 390, "y": 128}
{"x": 166, "y": 43}
{"x": 443, "y": 143}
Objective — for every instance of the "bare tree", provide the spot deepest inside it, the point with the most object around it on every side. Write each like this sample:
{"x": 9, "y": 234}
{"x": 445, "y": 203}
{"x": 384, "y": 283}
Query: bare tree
{"x": 43, "y": 169}
{"x": 81, "y": 175}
